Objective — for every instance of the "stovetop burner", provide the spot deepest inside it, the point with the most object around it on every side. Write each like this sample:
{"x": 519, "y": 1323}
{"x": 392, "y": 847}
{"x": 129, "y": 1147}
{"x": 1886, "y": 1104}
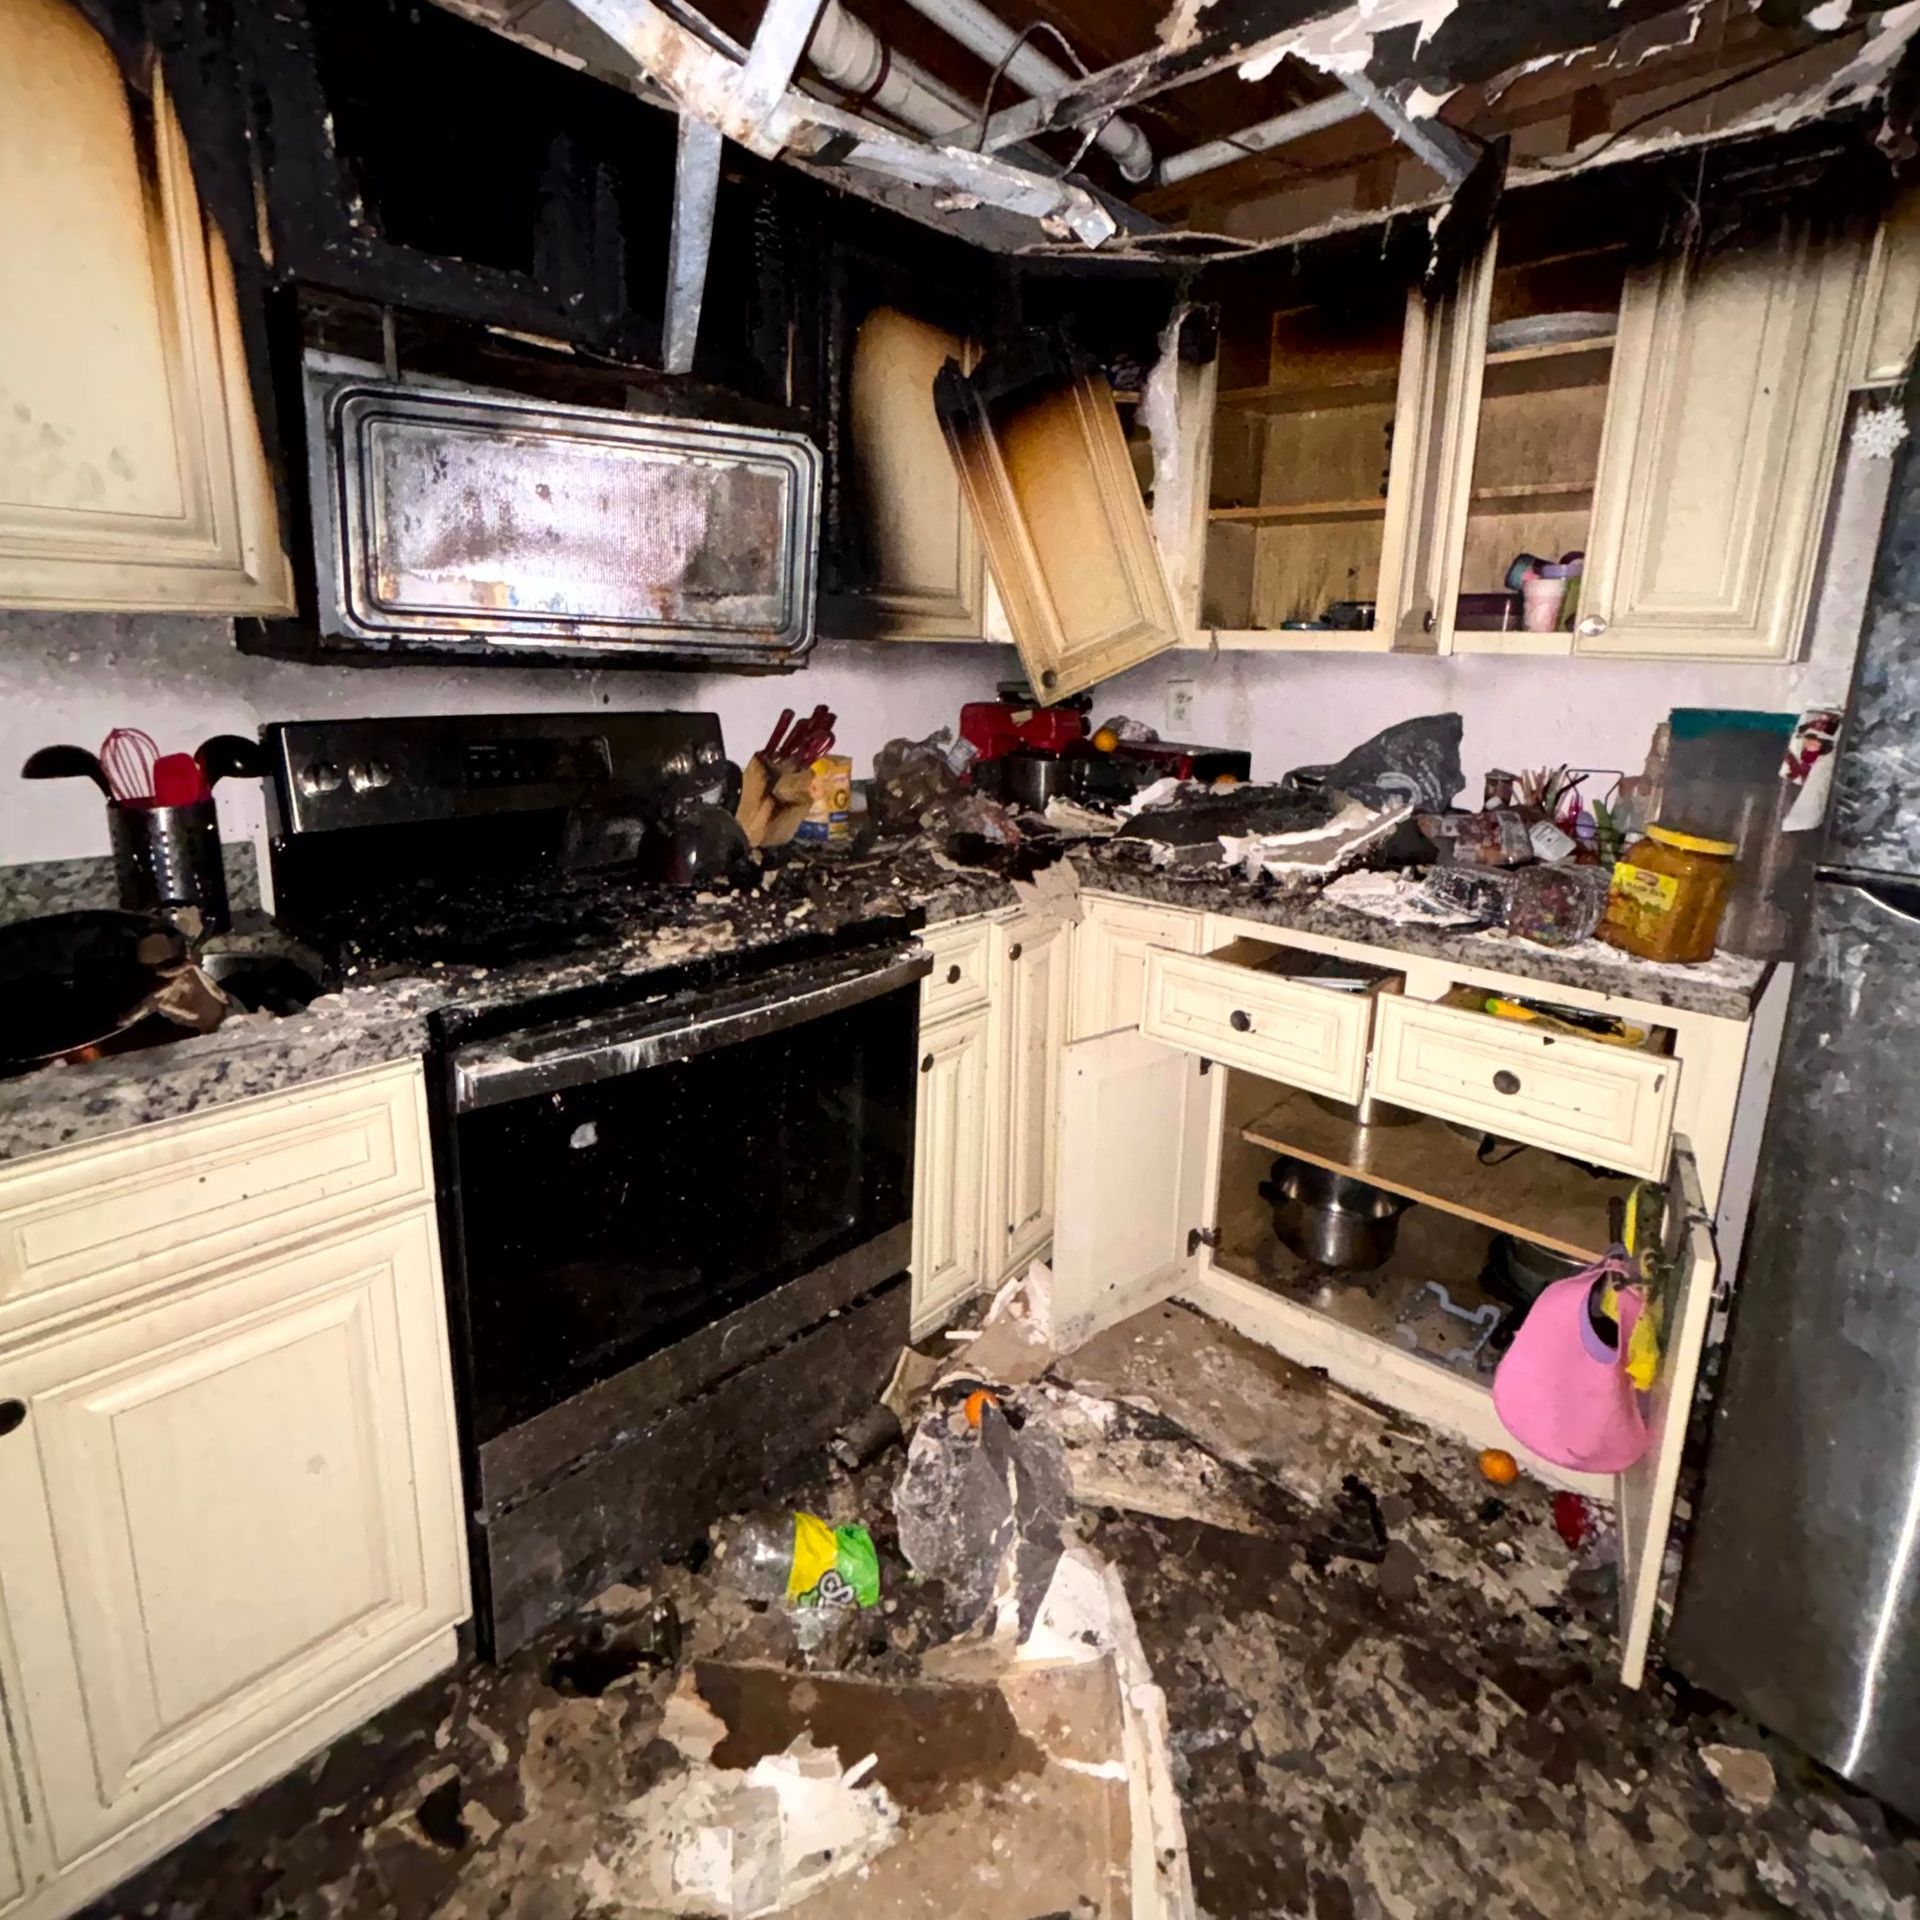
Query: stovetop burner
{"x": 486, "y": 923}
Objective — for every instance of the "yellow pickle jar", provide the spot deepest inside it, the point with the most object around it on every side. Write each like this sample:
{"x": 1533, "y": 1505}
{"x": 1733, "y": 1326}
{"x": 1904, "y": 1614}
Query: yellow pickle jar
{"x": 1669, "y": 889}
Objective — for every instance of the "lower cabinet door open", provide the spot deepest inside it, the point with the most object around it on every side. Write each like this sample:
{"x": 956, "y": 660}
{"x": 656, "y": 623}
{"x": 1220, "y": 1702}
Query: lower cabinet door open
{"x": 1135, "y": 1141}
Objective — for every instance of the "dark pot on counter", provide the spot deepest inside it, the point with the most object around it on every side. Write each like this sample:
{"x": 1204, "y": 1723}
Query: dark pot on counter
{"x": 1331, "y": 1218}
{"x": 1028, "y": 777}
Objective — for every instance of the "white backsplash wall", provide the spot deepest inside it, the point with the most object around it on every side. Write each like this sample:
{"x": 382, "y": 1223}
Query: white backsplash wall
{"x": 69, "y": 677}
{"x": 1520, "y": 711}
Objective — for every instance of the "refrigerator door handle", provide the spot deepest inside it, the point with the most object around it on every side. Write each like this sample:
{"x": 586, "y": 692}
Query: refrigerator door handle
{"x": 1901, "y": 898}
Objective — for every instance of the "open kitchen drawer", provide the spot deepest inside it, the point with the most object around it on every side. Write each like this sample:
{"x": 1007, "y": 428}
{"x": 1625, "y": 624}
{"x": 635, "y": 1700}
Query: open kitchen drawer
{"x": 1162, "y": 1154}
{"x": 1301, "y": 1017}
{"x": 1605, "y": 1103}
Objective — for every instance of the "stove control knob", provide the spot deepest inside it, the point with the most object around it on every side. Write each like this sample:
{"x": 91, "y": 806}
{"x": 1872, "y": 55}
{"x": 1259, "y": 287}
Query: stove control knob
{"x": 679, "y": 763}
{"x": 368, "y": 776}
{"x": 322, "y": 777}
{"x": 710, "y": 755}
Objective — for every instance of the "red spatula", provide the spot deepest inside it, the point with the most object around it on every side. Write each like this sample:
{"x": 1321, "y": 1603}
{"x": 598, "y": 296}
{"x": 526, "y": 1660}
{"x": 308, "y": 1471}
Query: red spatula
{"x": 178, "y": 781}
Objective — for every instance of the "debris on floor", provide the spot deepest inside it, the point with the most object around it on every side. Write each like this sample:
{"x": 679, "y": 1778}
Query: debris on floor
{"x": 1164, "y": 1626}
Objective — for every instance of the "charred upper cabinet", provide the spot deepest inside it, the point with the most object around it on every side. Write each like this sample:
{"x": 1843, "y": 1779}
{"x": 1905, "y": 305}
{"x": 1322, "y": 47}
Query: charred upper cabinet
{"x": 132, "y": 475}
{"x": 1048, "y": 478}
{"x": 925, "y": 573}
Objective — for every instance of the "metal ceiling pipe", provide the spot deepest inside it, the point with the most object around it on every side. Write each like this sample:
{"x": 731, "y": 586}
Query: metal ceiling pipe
{"x": 984, "y": 33}
{"x": 1294, "y": 124}
{"x": 852, "y": 58}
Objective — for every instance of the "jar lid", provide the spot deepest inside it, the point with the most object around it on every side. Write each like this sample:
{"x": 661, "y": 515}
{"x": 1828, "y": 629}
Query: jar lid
{"x": 1690, "y": 842}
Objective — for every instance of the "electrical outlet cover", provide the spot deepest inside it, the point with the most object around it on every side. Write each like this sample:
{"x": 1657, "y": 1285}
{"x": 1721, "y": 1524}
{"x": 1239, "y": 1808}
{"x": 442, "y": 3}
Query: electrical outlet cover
{"x": 1179, "y": 703}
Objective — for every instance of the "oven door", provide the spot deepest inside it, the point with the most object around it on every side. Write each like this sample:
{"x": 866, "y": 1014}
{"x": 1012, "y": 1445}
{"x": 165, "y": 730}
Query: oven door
{"x": 626, "y": 1180}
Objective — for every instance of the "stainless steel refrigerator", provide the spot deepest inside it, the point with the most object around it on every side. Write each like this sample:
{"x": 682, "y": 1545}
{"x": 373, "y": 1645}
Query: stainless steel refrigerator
{"x": 1800, "y": 1596}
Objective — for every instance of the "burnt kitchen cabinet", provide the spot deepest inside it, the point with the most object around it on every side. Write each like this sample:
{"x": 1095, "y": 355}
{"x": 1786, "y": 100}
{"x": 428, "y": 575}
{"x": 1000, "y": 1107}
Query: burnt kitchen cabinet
{"x": 900, "y": 557}
{"x": 422, "y": 162}
{"x": 132, "y": 472}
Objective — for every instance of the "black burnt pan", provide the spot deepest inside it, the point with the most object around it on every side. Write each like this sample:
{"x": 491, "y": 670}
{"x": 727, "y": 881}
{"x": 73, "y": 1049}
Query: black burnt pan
{"x": 71, "y": 980}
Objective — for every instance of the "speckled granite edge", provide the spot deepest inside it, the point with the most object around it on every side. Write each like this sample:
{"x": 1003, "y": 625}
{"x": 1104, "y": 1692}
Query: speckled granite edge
{"x": 252, "y": 1055}
{"x": 1726, "y": 986}
{"x": 369, "y": 1025}
{"x": 59, "y": 886}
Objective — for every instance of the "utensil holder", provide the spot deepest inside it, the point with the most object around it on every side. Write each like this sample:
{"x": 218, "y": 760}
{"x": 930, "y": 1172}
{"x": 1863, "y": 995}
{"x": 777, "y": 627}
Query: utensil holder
{"x": 166, "y": 860}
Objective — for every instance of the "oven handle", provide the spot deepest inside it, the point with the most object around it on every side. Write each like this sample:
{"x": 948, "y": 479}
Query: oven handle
{"x": 629, "y": 1042}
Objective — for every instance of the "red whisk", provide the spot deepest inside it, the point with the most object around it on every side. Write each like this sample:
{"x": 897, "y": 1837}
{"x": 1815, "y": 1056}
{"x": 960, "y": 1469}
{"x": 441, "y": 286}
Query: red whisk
{"x": 126, "y": 757}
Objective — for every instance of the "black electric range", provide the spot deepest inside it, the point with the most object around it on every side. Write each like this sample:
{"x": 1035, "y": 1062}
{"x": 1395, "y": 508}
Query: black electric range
{"x": 676, "y": 1203}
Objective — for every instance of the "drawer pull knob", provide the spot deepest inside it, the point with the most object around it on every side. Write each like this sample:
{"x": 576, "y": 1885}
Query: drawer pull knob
{"x": 13, "y": 1413}
{"x": 1014, "y": 952}
{"x": 953, "y": 974}
{"x": 926, "y": 1065}
{"x": 1506, "y": 1082}
{"x": 1240, "y": 1021}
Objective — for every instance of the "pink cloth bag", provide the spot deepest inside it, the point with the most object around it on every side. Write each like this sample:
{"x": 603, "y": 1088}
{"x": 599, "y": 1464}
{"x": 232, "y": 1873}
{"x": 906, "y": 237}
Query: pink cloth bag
{"x": 1562, "y": 1391}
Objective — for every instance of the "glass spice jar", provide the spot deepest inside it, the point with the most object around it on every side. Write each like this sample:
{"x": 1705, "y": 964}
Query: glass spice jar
{"x": 1669, "y": 889}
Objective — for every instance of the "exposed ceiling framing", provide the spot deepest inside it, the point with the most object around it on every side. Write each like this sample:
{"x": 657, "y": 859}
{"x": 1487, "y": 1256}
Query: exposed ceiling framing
{"x": 1223, "y": 126}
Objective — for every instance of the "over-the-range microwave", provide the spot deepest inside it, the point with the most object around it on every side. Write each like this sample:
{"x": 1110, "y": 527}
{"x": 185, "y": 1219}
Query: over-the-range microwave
{"x": 455, "y": 521}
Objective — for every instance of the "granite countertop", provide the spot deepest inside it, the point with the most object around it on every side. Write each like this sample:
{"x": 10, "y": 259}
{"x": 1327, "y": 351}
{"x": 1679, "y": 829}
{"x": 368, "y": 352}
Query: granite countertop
{"x": 1726, "y": 985}
{"x": 380, "y": 1016}
{"x": 383, "y": 1015}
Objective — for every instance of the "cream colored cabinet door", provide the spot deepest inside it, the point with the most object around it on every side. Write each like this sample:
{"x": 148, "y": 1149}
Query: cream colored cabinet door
{"x": 1030, "y": 1001}
{"x": 1138, "y": 1127}
{"x": 949, "y": 1165}
{"x": 931, "y": 578}
{"x": 131, "y": 470}
{"x": 1723, "y": 424}
{"x": 12, "y": 1872}
{"x": 1644, "y": 1496}
{"x": 1442, "y": 354}
{"x": 1110, "y": 960}
{"x": 223, "y": 1513}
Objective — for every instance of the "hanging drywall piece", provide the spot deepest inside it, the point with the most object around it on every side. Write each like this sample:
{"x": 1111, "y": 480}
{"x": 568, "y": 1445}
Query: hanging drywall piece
{"x": 1043, "y": 464}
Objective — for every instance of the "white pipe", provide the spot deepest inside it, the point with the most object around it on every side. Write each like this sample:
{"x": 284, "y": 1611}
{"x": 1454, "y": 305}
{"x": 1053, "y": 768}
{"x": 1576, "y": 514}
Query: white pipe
{"x": 848, "y": 54}
{"x": 984, "y": 33}
{"x": 1291, "y": 125}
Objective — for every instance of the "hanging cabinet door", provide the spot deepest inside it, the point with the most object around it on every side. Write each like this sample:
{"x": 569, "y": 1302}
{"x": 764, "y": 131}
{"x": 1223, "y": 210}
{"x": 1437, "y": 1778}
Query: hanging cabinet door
{"x": 1723, "y": 425}
{"x": 1431, "y": 472}
{"x": 131, "y": 470}
{"x": 1136, "y": 1136}
{"x": 223, "y": 1513}
{"x": 1030, "y": 1001}
{"x": 929, "y": 578}
{"x": 1043, "y": 463}
{"x": 1644, "y": 1495}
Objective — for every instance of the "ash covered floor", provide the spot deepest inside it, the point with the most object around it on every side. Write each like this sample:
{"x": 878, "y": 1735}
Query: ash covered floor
{"x": 1388, "y": 1694}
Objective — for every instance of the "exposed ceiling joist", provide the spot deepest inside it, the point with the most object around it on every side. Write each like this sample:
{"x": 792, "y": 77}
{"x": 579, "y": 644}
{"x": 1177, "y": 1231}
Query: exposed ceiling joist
{"x": 1450, "y": 154}
{"x": 704, "y": 81}
{"x": 1127, "y": 82}
{"x": 696, "y": 193}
